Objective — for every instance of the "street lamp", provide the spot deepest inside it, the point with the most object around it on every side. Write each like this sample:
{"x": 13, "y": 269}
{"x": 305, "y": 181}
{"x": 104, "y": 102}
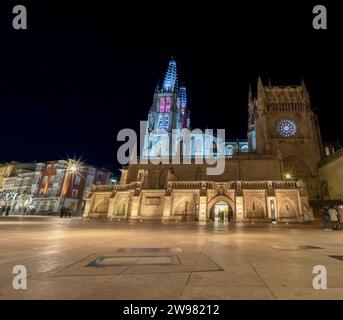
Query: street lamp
{"x": 289, "y": 174}
{"x": 73, "y": 168}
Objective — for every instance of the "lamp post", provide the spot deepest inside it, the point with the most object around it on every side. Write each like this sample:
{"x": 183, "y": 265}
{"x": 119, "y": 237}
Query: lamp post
{"x": 73, "y": 168}
{"x": 289, "y": 174}
{"x": 8, "y": 198}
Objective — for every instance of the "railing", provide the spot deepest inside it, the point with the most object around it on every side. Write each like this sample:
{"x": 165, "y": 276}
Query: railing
{"x": 285, "y": 184}
{"x": 333, "y": 156}
{"x": 117, "y": 187}
{"x": 264, "y": 184}
{"x": 103, "y": 187}
{"x": 190, "y": 184}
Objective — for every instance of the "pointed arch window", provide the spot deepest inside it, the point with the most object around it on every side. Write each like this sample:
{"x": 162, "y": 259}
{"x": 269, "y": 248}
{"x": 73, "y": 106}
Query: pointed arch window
{"x": 168, "y": 102}
{"x": 160, "y": 122}
{"x": 166, "y": 122}
{"x": 162, "y": 102}
{"x": 198, "y": 145}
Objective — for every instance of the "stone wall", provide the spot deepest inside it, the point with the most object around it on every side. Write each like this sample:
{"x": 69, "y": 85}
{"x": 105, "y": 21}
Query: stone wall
{"x": 194, "y": 200}
{"x": 331, "y": 176}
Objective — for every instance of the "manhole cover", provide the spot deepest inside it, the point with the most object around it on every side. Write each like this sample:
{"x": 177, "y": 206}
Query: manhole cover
{"x": 116, "y": 261}
{"x": 279, "y": 247}
{"x": 337, "y": 257}
{"x": 149, "y": 250}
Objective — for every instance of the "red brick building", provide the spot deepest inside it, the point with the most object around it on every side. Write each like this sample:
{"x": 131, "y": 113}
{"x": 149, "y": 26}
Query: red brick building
{"x": 60, "y": 186}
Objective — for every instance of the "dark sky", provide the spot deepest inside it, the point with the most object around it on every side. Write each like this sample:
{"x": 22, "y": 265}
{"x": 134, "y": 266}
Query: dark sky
{"x": 81, "y": 72}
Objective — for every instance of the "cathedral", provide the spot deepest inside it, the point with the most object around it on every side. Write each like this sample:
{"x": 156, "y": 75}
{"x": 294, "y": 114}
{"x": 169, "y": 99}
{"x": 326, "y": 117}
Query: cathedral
{"x": 270, "y": 176}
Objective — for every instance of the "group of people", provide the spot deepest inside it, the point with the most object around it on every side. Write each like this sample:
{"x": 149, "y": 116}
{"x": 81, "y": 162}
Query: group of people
{"x": 65, "y": 213}
{"x": 332, "y": 217}
{"x": 5, "y": 210}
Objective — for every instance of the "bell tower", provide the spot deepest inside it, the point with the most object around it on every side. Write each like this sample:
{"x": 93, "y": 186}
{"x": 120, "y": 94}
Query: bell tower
{"x": 282, "y": 123}
{"x": 168, "y": 111}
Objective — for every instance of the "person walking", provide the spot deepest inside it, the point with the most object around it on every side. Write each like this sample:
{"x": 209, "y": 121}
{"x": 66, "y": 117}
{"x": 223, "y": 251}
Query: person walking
{"x": 333, "y": 217}
{"x": 340, "y": 213}
{"x": 326, "y": 218}
{"x": 8, "y": 208}
{"x": 62, "y": 212}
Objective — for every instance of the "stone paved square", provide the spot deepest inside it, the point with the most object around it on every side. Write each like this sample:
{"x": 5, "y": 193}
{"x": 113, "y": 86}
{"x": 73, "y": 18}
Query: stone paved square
{"x": 216, "y": 260}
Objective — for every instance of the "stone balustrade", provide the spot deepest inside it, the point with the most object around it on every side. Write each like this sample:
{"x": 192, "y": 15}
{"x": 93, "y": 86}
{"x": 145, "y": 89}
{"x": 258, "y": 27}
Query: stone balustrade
{"x": 191, "y": 184}
{"x": 117, "y": 187}
{"x": 279, "y": 184}
{"x": 239, "y": 185}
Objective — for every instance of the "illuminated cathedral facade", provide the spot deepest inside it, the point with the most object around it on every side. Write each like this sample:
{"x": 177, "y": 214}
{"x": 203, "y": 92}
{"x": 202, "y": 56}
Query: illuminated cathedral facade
{"x": 270, "y": 176}
{"x": 169, "y": 118}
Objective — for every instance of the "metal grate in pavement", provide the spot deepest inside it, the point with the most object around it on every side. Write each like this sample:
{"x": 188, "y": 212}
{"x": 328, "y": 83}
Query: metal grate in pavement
{"x": 282, "y": 247}
{"x": 337, "y": 257}
{"x": 123, "y": 261}
{"x": 148, "y": 250}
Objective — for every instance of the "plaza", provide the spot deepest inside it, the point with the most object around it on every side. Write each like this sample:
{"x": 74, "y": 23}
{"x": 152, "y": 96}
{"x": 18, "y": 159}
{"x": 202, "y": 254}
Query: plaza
{"x": 95, "y": 259}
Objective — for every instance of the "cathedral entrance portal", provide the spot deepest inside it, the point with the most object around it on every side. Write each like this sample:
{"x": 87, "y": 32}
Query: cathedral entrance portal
{"x": 221, "y": 208}
{"x": 221, "y": 212}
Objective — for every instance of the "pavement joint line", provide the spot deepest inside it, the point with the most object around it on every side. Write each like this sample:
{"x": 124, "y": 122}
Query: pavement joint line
{"x": 73, "y": 264}
{"x": 190, "y": 274}
{"x": 258, "y": 274}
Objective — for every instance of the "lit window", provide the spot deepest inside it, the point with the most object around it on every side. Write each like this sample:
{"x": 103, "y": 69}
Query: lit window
{"x": 162, "y": 104}
{"x": 74, "y": 194}
{"x": 286, "y": 128}
{"x": 77, "y": 181}
{"x": 167, "y": 104}
{"x": 160, "y": 122}
{"x": 166, "y": 122}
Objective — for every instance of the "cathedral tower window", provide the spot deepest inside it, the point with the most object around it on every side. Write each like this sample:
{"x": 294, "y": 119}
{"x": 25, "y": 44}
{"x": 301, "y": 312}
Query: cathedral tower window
{"x": 168, "y": 104}
{"x": 162, "y": 104}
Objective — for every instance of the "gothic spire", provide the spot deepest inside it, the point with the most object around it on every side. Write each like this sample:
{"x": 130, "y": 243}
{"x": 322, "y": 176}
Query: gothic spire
{"x": 250, "y": 98}
{"x": 170, "y": 79}
{"x": 183, "y": 97}
{"x": 259, "y": 86}
{"x": 157, "y": 88}
{"x": 306, "y": 95}
{"x": 259, "y": 82}
{"x": 250, "y": 92}
{"x": 303, "y": 84}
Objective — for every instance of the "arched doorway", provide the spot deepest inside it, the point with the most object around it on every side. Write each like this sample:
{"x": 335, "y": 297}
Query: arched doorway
{"x": 221, "y": 211}
{"x": 221, "y": 208}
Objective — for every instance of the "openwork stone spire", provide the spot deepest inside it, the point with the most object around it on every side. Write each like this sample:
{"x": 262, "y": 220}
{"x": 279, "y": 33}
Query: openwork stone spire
{"x": 183, "y": 97}
{"x": 170, "y": 79}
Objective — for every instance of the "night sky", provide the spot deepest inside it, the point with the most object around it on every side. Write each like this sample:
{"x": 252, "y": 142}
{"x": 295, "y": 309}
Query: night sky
{"x": 81, "y": 72}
